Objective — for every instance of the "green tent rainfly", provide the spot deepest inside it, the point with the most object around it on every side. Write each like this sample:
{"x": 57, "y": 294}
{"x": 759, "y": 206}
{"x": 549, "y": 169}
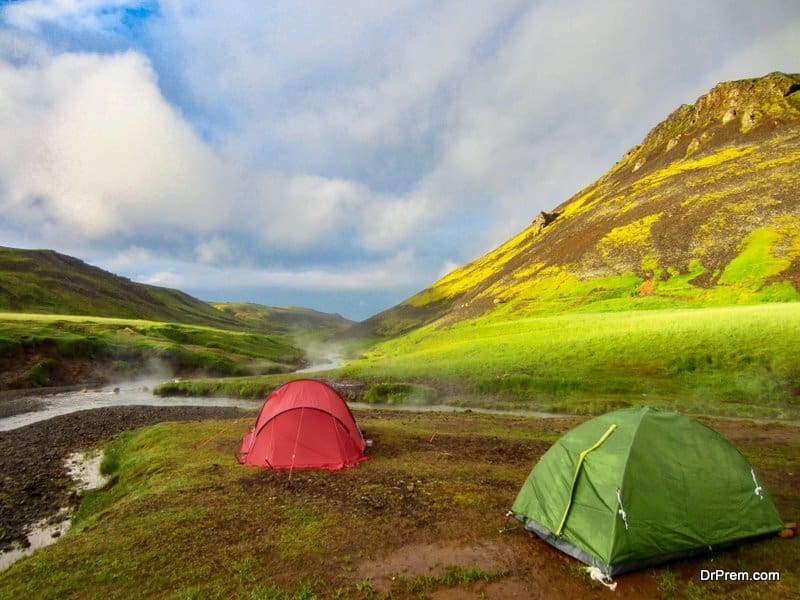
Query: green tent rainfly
{"x": 638, "y": 487}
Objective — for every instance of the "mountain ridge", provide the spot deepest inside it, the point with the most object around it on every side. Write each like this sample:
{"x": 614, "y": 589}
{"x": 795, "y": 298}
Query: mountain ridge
{"x": 702, "y": 212}
{"x": 49, "y": 282}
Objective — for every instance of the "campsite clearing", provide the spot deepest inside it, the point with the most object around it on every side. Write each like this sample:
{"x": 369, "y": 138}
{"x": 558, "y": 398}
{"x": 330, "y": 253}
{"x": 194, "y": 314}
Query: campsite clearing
{"x": 421, "y": 519}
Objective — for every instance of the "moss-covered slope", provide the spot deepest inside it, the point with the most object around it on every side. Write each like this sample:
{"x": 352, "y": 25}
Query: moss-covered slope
{"x": 705, "y": 211}
{"x": 45, "y": 281}
{"x": 289, "y": 319}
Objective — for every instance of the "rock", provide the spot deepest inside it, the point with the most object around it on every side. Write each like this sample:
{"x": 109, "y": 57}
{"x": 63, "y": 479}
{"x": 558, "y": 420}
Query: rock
{"x": 33, "y": 483}
{"x": 729, "y": 116}
{"x": 542, "y": 220}
{"x": 750, "y": 118}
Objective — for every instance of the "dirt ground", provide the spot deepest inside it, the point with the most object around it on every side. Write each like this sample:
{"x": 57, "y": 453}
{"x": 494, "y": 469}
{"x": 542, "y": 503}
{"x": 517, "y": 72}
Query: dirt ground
{"x": 65, "y": 372}
{"x": 35, "y": 485}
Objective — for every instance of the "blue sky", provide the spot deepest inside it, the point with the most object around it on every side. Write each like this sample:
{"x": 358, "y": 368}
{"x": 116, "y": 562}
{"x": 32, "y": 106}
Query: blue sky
{"x": 337, "y": 155}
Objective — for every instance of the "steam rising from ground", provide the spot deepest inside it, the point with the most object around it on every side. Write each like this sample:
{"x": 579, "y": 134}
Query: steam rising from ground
{"x": 321, "y": 355}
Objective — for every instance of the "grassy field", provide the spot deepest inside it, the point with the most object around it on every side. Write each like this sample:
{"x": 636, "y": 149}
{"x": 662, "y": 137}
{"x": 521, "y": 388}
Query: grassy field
{"x": 132, "y": 346}
{"x": 730, "y": 360}
{"x": 735, "y": 361}
{"x": 420, "y": 518}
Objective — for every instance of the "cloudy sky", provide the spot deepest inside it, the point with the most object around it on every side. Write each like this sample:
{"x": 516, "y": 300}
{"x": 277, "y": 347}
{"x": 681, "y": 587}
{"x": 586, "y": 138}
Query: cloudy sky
{"x": 340, "y": 155}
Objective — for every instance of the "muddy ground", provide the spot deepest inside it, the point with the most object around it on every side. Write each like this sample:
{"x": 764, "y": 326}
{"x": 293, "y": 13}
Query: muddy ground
{"x": 35, "y": 483}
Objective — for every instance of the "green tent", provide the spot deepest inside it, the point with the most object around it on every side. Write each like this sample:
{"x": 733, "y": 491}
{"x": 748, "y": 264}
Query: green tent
{"x": 642, "y": 486}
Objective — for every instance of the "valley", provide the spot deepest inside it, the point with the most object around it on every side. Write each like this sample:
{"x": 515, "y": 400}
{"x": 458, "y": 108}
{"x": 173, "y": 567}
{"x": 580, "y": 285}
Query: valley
{"x": 672, "y": 281}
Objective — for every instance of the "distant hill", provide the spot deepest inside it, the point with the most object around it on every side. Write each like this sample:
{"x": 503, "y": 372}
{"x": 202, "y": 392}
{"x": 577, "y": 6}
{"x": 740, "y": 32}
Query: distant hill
{"x": 705, "y": 211}
{"x": 37, "y": 350}
{"x": 284, "y": 319}
{"x": 45, "y": 281}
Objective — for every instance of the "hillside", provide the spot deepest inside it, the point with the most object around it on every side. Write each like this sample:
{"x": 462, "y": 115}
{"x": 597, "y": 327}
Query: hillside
{"x": 64, "y": 322}
{"x": 704, "y": 212}
{"x": 46, "y": 282}
{"x": 284, "y": 319}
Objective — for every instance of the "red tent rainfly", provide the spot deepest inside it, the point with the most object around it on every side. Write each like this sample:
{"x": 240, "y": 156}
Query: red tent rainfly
{"x": 304, "y": 424}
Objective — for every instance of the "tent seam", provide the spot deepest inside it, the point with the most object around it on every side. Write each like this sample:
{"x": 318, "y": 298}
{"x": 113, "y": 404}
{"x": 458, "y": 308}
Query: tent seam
{"x": 621, "y": 486}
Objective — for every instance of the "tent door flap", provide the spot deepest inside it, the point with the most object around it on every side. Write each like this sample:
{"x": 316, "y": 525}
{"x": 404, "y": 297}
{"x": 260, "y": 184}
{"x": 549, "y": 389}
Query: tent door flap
{"x": 581, "y": 458}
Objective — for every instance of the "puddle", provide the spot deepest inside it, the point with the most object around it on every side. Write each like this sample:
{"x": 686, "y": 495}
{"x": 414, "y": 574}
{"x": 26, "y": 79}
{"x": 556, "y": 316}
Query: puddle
{"x": 428, "y": 559}
{"x": 534, "y": 570}
{"x": 41, "y": 534}
{"x": 84, "y": 469}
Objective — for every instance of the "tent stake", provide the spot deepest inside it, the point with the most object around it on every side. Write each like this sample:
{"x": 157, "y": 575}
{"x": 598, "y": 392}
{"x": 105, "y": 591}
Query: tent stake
{"x": 506, "y": 527}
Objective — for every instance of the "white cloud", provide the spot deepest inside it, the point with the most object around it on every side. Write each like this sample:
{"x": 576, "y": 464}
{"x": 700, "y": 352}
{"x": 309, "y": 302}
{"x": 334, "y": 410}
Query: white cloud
{"x": 299, "y": 210}
{"x": 777, "y": 52}
{"x": 163, "y": 279}
{"x": 213, "y": 251}
{"x": 409, "y": 69}
{"x": 239, "y": 130}
{"x": 389, "y": 223}
{"x": 92, "y": 149}
{"x": 128, "y": 259}
{"x": 447, "y": 267}
{"x": 397, "y": 271}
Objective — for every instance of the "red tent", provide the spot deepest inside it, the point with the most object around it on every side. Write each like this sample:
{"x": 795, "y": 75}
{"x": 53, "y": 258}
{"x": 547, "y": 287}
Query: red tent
{"x": 304, "y": 424}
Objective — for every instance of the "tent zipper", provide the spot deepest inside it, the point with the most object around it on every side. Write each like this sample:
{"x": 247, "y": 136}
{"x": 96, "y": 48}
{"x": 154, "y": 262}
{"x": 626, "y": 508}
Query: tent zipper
{"x": 581, "y": 458}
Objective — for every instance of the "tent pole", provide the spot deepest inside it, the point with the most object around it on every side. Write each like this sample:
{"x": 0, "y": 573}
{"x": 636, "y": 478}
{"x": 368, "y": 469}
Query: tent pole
{"x": 296, "y": 439}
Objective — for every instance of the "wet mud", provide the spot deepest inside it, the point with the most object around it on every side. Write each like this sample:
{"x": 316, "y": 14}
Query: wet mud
{"x": 35, "y": 481}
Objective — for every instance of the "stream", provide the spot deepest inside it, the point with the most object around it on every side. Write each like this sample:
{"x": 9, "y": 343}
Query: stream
{"x": 85, "y": 469}
{"x": 41, "y": 408}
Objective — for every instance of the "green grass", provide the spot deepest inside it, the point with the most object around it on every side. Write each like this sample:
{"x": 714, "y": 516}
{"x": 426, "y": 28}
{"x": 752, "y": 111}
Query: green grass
{"x": 400, "y": 393}
{"x": 742, "y": 360}
{"x": 254, "y": 387}
{"x": 203, "y": 526}
{"x": 180, "y": 509}
{"x": 131, "y": 344}
{"x": 39, "y": 374}
{"x": 44, "y": 281}
{"x": 753, "y": 267}
{"x": 734, "y": 360}
{"x": 310, "y": 324}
